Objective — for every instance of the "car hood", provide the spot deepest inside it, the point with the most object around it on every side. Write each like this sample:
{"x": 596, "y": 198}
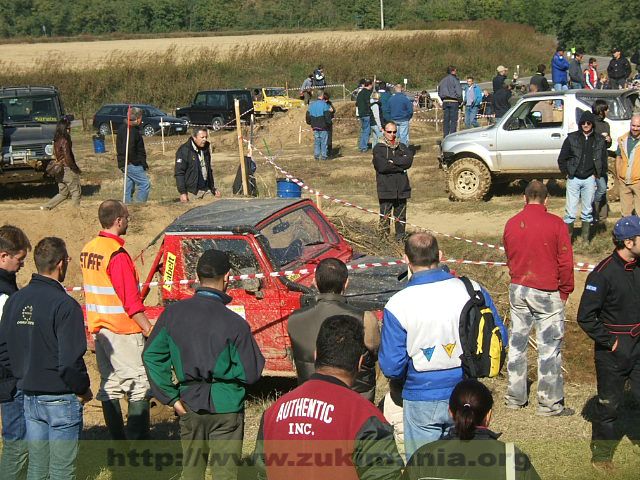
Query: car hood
{"x": 370, "y": 288}
{"x": 469, "y": 135}
{"x": 168, "y": 118}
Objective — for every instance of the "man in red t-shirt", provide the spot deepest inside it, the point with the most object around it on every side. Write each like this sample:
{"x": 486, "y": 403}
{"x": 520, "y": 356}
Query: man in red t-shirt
{"x": 323, "y": 429}
{"x": 540, "y": 261}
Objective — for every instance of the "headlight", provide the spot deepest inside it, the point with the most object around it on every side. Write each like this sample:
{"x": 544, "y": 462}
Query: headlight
{"x": 48, "y": 149}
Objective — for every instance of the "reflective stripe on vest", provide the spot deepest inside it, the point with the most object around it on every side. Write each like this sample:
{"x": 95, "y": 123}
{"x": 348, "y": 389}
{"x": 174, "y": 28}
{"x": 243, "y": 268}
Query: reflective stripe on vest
{"x": 104, "y": 308}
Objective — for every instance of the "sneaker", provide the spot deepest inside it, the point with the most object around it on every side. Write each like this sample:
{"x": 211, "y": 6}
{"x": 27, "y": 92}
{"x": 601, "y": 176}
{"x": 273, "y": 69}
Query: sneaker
{"x": 515, "y": 406}
{"x": 565, "y": 412}
{"x": 603, "y": 466}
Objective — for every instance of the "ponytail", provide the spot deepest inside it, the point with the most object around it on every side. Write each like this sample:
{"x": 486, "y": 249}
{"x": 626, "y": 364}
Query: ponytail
{"x": 470, "y": 403}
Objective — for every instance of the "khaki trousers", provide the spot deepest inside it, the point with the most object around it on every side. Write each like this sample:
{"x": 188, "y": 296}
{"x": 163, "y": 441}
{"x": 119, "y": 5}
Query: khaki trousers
{"x": 629, "y": 198}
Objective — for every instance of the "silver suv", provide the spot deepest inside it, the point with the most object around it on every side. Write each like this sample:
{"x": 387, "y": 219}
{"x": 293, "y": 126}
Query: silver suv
{"x": 525, "y": 143}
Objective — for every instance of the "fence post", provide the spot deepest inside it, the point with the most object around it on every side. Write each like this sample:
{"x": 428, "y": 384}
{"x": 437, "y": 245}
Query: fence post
{"x": 344, "y": 93}
{"x": 300, "y": 136}
{"x": 162, "y": 133}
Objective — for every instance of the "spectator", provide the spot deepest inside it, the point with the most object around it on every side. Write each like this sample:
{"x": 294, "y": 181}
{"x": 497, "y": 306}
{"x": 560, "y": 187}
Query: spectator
{"x": 576, "y": 74}
{"x": 425, "y": 354}
{"x": 331, "y": 280}
{"x": 540, "y": 80}
{"x": 116, "y": 316}
{"x": 559, "y": 68}
{"x": 450, "y": 92}
{"x": 609, "y": 314}
{"x": 628, "y": 168}
{"x": 591, "y": 75}
{"x": 376, "y": 117}
{"x": 619, "y": 70}
{"x": 342, "y": 420}
{"x": 540, "y": 261}
{"x": 581, "y": 159}
{"x": 385, "y": 96}
{"x": 134, "y": 157}
{"x": 69, "y": 178}
{"x": 193, "y": 167}
{"x": 42, "y": 343}
{"x": 319, "y": 80}
{"x": 500, "y": 78}
{"x": 472, "y": 104}
{"x": 332, "y": 111}
{"x": 501, "y": 99}
{"x": 214, "y": 356}
{"x": 391, "y": 160}
{"x": 401, "y": 112}
{"x": 486, "y": 107}
{"x": 14, "y": 246}
{"x": 306, "y": 89}
{"x": 602, "y": 128}
{"x": 471, "y": 407}
{"x": 363, "y": 112}
{"x": 319, "y": 118}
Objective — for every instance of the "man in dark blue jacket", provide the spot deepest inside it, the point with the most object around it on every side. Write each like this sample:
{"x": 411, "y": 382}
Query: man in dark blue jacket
{"x": 559, "y": 68}
{"x": 450, "y": 92}
{"x": 42, "y": 343}
{"x": 401, "y": 111}
{"x": 319, "y": 117}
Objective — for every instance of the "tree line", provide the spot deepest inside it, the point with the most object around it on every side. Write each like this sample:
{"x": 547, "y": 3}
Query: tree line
{"x": 595, "y": 25}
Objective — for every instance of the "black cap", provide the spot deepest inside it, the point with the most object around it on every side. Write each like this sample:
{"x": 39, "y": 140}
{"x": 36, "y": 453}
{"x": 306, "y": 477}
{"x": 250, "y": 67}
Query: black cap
{"x": 615, "y": 49}
{"x": 213, "y": 264}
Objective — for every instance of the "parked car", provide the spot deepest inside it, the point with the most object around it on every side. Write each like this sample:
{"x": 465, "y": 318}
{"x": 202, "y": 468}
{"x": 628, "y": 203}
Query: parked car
{"x": 263, "y": 236}
{"x": 28, "y": 117}
{"x": 526, "y": 141}
{"x": 116, "y": 113}
{"x": 215, "y": 108}
{"x": 267, "y": 101}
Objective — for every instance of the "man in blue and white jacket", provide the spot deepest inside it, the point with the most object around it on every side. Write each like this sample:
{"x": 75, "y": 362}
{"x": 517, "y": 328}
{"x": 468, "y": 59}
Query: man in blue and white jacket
{"x": 420, "y": 342}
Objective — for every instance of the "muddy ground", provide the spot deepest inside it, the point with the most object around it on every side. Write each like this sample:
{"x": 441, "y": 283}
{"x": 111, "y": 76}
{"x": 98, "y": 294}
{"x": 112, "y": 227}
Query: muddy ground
{"x": 558, "y": 447}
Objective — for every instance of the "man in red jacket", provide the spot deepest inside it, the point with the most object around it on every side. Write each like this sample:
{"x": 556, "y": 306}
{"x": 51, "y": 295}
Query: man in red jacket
{"x": 540, "y": 261}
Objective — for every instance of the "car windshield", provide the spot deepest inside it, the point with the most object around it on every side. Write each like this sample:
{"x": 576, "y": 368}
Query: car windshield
{"x": 296, "y": 235}
{"x": 36, "y": 108}
{"x": 620, "y": 107}
{"x": 275, "y": 92}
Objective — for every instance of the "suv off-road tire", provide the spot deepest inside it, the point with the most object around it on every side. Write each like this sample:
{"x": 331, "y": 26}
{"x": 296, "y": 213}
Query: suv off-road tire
{"x": 217, "y": 123}
{"x": 468, "y": 179}
{"x": 148, "y": 130}
{"x": 104, "y": 129}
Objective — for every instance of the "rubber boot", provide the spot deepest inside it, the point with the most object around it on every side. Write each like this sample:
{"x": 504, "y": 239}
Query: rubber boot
{"x": 113, "y": 419}
{"x": 586, "y": 233}
{"x": 570, "y": 228}
{"x": 138, "y": 420}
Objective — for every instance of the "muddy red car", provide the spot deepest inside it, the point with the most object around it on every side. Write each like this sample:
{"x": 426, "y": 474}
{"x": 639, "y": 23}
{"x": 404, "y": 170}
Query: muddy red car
{"x": 262, "y": 237}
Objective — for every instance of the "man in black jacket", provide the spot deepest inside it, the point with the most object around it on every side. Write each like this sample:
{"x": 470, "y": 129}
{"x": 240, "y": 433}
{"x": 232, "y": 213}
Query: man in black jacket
{"x": 576, "y": 73}
{"x": 135, "y": 157}
{"x": 391, "y": 160}
{"x": 331, "y": 280}
{"x": 42, "y": 342}
{"x": 583, "y": 159}
{"x": 14, "y": 246}
{"x": 609, "y": 313}
{"x": 193, "y": 167}
{"x": 619, "y": 70}
{"x": 539, "y": 79}
{"x": 501, "y": 104}
{"x": 363, "y": 112}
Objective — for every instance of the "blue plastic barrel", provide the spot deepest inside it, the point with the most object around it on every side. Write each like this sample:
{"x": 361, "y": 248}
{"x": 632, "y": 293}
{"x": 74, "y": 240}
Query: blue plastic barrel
{"x": 288, "y": 189}
{"x": 98, "y": 144}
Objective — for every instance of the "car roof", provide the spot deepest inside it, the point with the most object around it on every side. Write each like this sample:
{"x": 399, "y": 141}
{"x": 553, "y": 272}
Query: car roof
{"x": 229, "y": 215}
{"x": 143, "y": 105}
{"x": 22, "y": 90}
{"x": 582, "y": 93}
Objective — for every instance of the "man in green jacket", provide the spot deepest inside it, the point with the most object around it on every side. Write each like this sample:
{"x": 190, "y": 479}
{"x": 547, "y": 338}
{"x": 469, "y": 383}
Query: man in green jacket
{"x": 214, "y": 356}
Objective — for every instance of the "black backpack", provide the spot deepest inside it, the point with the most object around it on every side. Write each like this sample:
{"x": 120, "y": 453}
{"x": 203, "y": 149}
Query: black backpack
{"x": 483, "y": 348}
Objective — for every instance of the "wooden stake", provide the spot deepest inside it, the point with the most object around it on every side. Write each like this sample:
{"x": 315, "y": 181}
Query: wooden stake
{"x": 319, "y": 201}
{"x": 162, "y": 133}
{"x": 300, "y": 135}
{"x": 436, "y": 118}
{"x": 243, "y": 169}
{"x": 113, "y": 138}
{"x": 344, "y": 93}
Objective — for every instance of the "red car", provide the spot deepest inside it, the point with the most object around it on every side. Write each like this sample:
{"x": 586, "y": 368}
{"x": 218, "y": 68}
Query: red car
{"x": 261, "y": 237}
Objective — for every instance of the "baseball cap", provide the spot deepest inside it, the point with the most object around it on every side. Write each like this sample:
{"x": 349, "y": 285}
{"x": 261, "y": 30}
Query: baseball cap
{"x": 627, "y": 227}
{"x": 501, "y": 68}
{"x": 615, "y": 49}
{"x": 212, "y": 264}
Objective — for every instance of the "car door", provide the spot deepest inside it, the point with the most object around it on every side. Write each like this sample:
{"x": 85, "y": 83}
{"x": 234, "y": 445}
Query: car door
{"x": 217, "y": 106}
{"x": 198, "y": 112}
{"x": 530, "y": 138}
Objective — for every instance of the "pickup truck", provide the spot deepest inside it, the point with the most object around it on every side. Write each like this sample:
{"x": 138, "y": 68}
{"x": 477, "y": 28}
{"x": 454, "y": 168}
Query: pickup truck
{"x": 267, "y": 101}
{"x": 263, "y": 236}
{"x": 526, "y": 141}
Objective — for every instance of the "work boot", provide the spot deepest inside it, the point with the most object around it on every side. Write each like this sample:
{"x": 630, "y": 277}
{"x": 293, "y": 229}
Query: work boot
{"x": 113, "y": 419}
{"x": 570, "y": 228}
{"x": 586, "y": 233}
{"x": 138, "y": 420}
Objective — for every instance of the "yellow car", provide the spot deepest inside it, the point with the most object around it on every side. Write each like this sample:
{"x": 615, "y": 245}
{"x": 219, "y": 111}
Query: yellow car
{"x": 267, "y": 101}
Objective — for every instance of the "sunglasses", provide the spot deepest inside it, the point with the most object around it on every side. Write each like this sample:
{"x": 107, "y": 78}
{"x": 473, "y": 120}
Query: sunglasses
{"x": 391, "y": 131}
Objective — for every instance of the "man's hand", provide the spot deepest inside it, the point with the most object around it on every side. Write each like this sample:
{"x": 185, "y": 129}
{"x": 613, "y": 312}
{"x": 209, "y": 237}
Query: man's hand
{"x": 615, "y": 346}
{"x": 178, "y": 407}
{"x": 217, "y": 193}
{"x": 184, "y": 197}
{"x": 141, "y": 319}
{"x": 86, "y": 396}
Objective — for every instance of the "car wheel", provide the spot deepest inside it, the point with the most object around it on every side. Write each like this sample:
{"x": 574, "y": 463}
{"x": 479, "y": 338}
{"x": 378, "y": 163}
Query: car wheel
{"x": 468, "y": 179}
{"x": 148, "y": 130}
{"x": 613, "y": 189}
{"x": 217, "y": 123}
{"x": 104, "y": 129}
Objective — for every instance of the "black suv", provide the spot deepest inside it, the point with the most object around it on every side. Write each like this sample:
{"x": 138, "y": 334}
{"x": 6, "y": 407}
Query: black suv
{"x": 116, "y": 113}
{"x": 28, "y": 117}
{"x": 215, "y": 108}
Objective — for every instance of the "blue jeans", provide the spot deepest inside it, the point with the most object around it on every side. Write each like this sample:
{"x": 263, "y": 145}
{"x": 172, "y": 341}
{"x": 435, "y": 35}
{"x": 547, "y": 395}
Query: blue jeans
{"x": 403, "y": 131}
{"x": 557, "y": 87}
{"x": 320, "y": 138}
{"x": 54, "y": 423}
{"x": 13, "y": 464}
{"x": 377, "y": 132}
{"x": 576, "y": 85}
{"x": 137, "y": 178}
{"x": 470, "y": 116}
{"x": 601, "y": 189}
{"x": 424, "y": 422}
{"x": 583, "y": 191}
{"x": 450, "y": 111}
{"x": 365, "y": 132}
